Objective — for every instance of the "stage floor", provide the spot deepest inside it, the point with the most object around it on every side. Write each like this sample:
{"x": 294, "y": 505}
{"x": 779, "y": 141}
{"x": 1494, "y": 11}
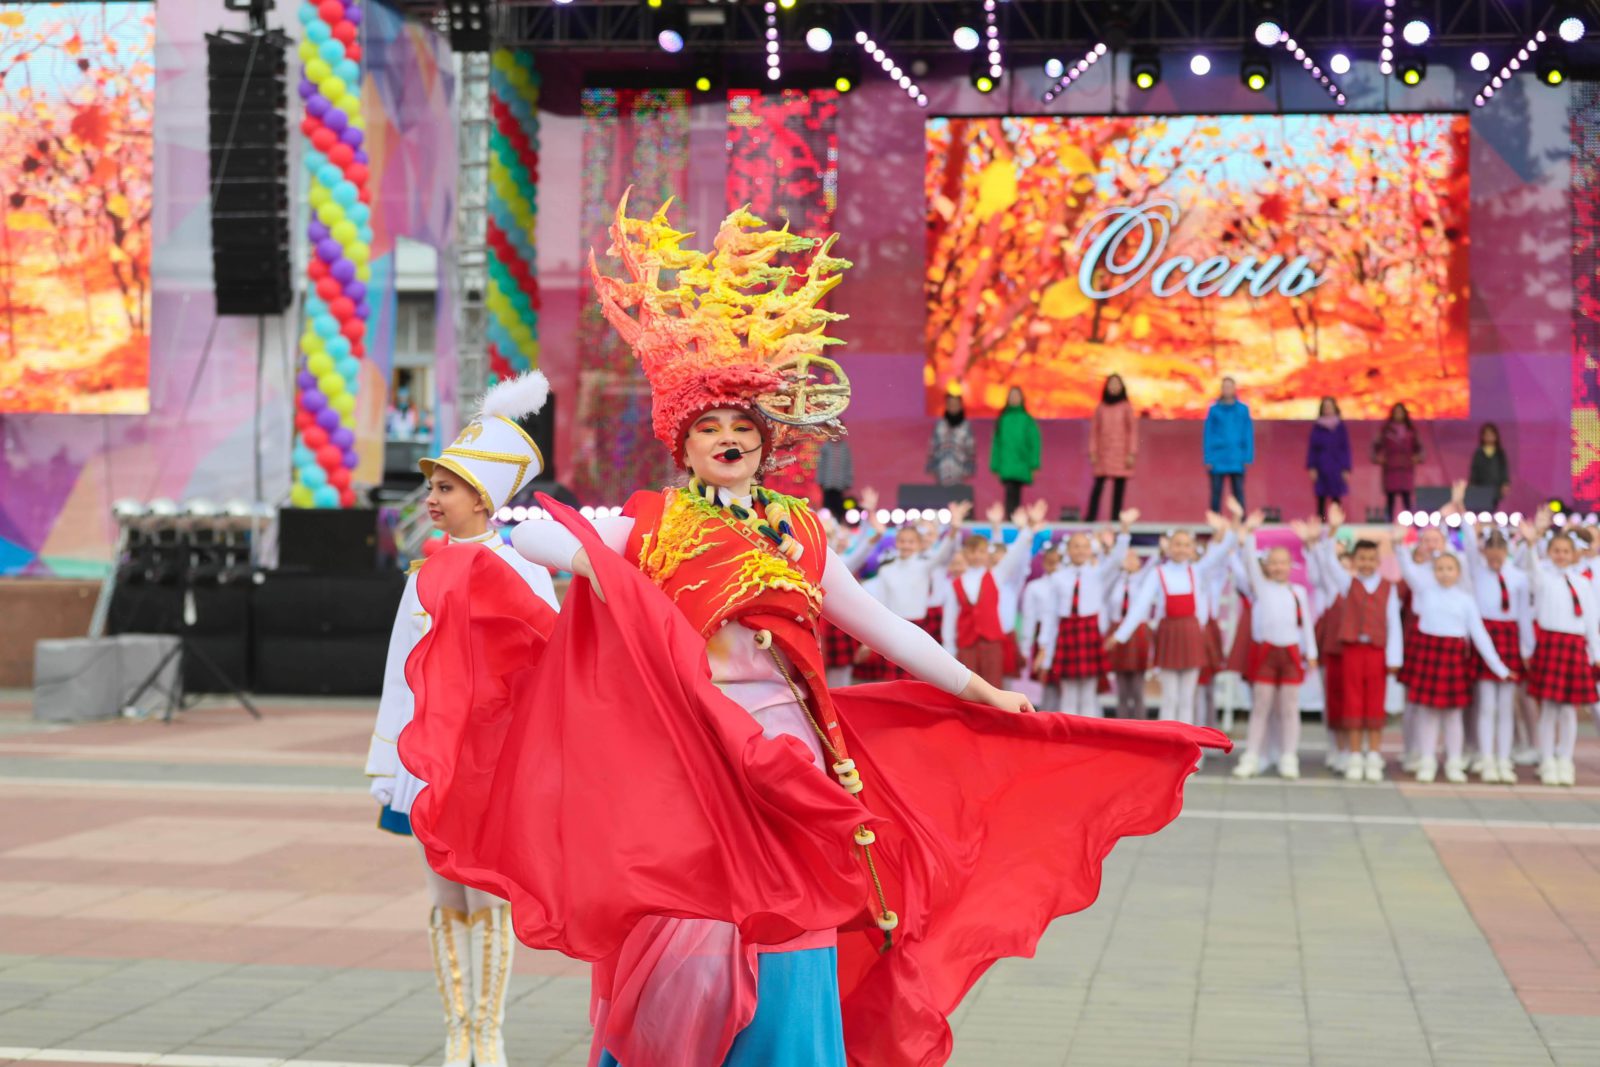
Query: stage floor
{"x": 216, "y": 890}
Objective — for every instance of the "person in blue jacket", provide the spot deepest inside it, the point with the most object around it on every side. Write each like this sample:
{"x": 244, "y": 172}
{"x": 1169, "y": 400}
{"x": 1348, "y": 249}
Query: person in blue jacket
{"x": 1230, "y": 443}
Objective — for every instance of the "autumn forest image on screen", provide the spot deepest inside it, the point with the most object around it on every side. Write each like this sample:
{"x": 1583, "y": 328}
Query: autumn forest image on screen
{"x": 77, "y": 93}
{"x": 1303, "y": 254}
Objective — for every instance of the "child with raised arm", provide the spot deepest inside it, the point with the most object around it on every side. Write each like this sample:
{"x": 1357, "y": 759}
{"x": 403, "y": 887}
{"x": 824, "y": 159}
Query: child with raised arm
{"x": 1283, "y": 649}
{"x": 1175, "y": 592}
{"x": 1369, "y": 640}
{"x": 1130, "y": 660}
{"x": 1561, "y": 674}
{"x": 1505, "y": 600}
{"x": 972, "y": 622}
{"x": 1072, "y": 650}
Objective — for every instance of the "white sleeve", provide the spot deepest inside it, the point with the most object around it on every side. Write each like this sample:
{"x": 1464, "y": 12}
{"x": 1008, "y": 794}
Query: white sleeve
{"x": 1416, "y": 576}
{"x": 1308, "y": 633}
{"x": 1014, "y": 567}
{"x": 1591, "y": 629}
{"x": 549, "y": 544}
{"x": 396, "y": 704}
{"x": 1217, "y": 555}
{"x": 1471, "y": 550}
{"x": 1144, "y": 599}
{"x": 1050, "y": 621}
{"x": 847, "y": 606}
{"x": 945, "y": 548}
{"x": 1252, "y": 565}
{"x": 1339, "y": 578}
{"x": 1481, "y": 639}
{"x": 1112, "y": 562}
{"x": 1394, "y": 644}
{"x": 951, "y": 609}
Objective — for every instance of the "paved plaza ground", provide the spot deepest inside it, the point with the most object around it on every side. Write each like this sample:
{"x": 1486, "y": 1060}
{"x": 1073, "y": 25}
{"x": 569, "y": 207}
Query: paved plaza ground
{"x": 214, "y": 892}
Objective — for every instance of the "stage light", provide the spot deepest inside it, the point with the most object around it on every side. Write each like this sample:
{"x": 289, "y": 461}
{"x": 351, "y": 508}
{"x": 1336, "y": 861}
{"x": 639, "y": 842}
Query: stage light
{"x": 1500, "y": 80}
{"x": 1551, "y": 70}
{"x": 670, "y": 40}
{"x": 891, "y": 68}
{"x": 1339, "y": 63}
{"x": 702, "y": 83}
{"x": 897, "y": 516}
{"x": 1416, "y": 33}
{"x": 1555, "y": 506}
{"x": 846, "y": 74}
{"x": 1255, "y": 72}
{"x": 966, "y": 38}
{"x": 1200, "y": 65}
{"x": 1480, "y": 61}
{"x": 1054, "y": 68}
{"x": 1146, "y": 69}
{"x": 1571, "y": 29}
{"x": 1500, "y": 518}
{"x": 1405, "y": 518}
{"x": 1268, "y": 33}
{"x": 1074, "y": 72}
{"x": 1413, "y": 68}
{"x": 852, "y": 516}
{"x": 983, "y": 81}
{"x": 819, "y": 39}
{"x": 787, "y": 5}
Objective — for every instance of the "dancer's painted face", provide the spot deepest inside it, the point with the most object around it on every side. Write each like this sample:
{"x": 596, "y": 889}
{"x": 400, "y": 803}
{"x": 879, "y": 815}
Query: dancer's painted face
{"x": 712, "y": 436}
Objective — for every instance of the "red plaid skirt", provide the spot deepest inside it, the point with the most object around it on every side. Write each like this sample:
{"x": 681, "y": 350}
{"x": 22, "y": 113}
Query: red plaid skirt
{"x": 1408, "y": 645}
{"x": 1012, "y": 664}
{"x": 1440, "y": 671}
{"x": 1214, "y": 654}
{"x": 1134, "y": 656}
{"x": 1507, "y": 638}
{"x": 838, "y": 647}
{"x": 1080, "y": 650}
{"x": 1561, "y": 671}
{"x": 1180, "y": 644}
{"x": 1239, "y": 653}
{"x": 1276, "y": 664}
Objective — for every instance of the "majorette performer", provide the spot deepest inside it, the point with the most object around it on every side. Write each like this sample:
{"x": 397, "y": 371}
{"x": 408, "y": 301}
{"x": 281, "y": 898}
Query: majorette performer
{"x": 469, "y": 930}
{"x": 765, "y": 871}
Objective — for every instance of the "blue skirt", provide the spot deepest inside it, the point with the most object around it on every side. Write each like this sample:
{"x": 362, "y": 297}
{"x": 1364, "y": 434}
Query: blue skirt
{"x": 396, "y": 822}
{"x": 797, "y": 1020}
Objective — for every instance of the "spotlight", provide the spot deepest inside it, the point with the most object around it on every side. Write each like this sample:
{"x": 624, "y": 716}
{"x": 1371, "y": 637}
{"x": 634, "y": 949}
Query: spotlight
{"x": 671, "y": 25}
{"x": 707, "y": 74}
{"x": 1551, "y": 70}
{"x": 787, "y": 5}
{"x": 1416, "y": 33}
{"x": 1339, "y": 63}
{"x": 1146, "y": 69}
{"x": 1480, "y": 61}
{"x": 966, "y": 37}
{"x": 1054, "y": 68}
{"x": 670, "y": 40}
{"x": 1412, "y": 68}
{"x": 818, "y": 27}
{"x": 1555, "y": 506}
{"x": 846, "y": 73}
{"x": 983, "y": 77}
{"x": 1199, "y": 65}
{"x": 819, "y": 39}
{"x": 1255, "y": 71}
{"x": 1571, "y": 29}
{"x": 1268, "y": 33}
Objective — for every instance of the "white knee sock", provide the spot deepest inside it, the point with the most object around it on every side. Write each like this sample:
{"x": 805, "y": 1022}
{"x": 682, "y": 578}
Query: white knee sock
{"x": 1187, "y": 682}
{"x": 1082, "y": 696}
{"x": 1549, "y": 714}
{"x": 1169, "y": 693}
{"x": 1050, "y": 699}
{"x": 1567, "y": 732}
{"x": 1426, "y": 740}
{"x": 1288, "y": 717}
{"x": 1454, "y": 732}
{"x": 1262, "y": 708}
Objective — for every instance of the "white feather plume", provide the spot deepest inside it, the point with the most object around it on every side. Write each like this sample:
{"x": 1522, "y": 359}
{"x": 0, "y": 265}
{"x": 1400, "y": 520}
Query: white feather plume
{"x": 516, "y": 398}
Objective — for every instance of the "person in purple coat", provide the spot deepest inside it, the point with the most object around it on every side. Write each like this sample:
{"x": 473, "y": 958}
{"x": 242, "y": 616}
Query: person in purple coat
{"x": 1328, "y": 457}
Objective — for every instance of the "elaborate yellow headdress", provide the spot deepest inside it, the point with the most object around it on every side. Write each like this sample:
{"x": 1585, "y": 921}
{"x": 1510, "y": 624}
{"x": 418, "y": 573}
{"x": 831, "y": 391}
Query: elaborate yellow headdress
{"x": 732, "y": 330}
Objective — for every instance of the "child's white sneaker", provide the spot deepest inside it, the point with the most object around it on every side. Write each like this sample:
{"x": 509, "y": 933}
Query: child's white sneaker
{"x": 1289, "y": 766}
{"x": 1427, "y": 769}
{"x": 1454, "y": 771}
{"x": 1249, "y": 766}
{"x": 1374, "y": 766}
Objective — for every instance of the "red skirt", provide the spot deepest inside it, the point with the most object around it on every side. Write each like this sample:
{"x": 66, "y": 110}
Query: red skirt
{"x": 1214, "y": 655}
{"x": 1133, "y": 657}
{"x": 1276, "y": 664}
{"x": 1561, "y": 671}
{"x": 838, "y": 647}
{"x": 1440, "y": 671}
{"x": 1507, "y": 638}
{"x": 1333, "y": 689}
{"x": 1011, "y": 665}
{"x": 1080, "y": 650}
{"x": 1239, "y": 654}
{"x": 1408, "y": 645}
{"x": 1180, "y": 644}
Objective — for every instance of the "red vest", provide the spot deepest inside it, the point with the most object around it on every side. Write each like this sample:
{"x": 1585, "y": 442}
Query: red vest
{"x": 980, "y": 621}
{"x": 1366, "y": 615}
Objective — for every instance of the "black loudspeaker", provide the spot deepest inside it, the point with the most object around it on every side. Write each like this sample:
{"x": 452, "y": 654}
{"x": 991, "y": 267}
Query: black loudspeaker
{"x": 469, "y": 25}
{"x": 249, "y": 103}
{"x": 1433, "y": 497}
{"x": 328, "y": 540}
{"x": 219, "y": 630}
{"x": 324, "y": 635}
{"x": 931, "y": 496}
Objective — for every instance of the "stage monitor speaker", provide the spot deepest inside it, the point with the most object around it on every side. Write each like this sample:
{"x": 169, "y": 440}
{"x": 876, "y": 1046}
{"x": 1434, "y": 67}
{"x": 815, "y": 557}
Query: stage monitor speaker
{"x": 931, "y": 496}
{"x": 249, "y": 101}
{"x": 324, "y": 635}
{"x": 328, "y": 540}
{"x": 1434, "y": 497}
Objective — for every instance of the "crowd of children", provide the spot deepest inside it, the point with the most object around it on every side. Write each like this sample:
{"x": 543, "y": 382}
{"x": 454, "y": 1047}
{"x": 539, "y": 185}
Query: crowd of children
{"x": 1495, "y": 640}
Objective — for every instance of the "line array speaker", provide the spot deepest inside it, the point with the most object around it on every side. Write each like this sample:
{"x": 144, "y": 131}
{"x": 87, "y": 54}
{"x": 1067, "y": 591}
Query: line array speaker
{"x": 249, "y": 101}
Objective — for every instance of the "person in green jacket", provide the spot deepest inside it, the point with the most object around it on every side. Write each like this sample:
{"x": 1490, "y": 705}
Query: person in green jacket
{"x": 1014, "y": 453}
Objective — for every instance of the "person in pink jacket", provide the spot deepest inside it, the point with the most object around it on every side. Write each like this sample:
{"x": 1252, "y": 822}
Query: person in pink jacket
{"x": 1113, "y": 445}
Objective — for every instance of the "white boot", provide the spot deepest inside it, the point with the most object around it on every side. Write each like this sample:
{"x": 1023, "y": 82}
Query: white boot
{"x": 447, "y": 929}
{"x": 1374, "y": 766}
{"x": 1455, "y": 771}
{"x": 493, "y": 947}
{"x": 1249, "y": 766}
{"x": 1289, "y": 766}
{"x": 1427, "y": 769}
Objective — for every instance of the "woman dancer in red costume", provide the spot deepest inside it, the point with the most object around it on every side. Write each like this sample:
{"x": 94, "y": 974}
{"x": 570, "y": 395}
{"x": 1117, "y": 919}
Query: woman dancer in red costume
{"x": 764, "y": 871}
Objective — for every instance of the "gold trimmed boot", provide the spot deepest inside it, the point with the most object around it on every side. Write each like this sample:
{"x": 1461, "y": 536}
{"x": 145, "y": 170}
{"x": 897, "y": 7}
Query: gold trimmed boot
{"x": 493, "y": 947}
{"x": 448, "y": 933}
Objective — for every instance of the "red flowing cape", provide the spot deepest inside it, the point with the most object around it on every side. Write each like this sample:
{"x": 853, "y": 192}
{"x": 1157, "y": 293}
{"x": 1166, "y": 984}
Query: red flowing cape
{"x": 584, "y": 767}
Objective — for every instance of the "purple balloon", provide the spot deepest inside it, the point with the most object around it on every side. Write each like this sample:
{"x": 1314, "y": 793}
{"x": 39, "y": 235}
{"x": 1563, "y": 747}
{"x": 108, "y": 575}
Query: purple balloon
{"x": 351, "y": 459}
{"x": 317, "y": 105}
{"x": 342, "y": 438}
{"x": 363, "y": 311}
{"x": 335, "y": 119}
{"x": 329, "y": 251}
{"x": 361, "y": 156}
{"x": 305, "y": 380}
{"x": 342, "y": 269}
{"x": 352, "y": 137}
{"x": 313, "y": 401}
{"x": 306, "y": 87}
{"x": 356, "y": 291}
{"x": 317, "y": 232}
{"x": 352, "y": 14}
{"x": 328, "y": 419}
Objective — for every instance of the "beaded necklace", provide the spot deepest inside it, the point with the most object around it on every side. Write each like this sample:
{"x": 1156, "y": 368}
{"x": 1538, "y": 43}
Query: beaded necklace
{"x": 774, "y": 528}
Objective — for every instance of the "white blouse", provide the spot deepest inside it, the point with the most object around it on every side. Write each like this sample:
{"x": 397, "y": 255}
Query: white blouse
{"x": 1150, "y": 596}
{"x": 1280, "y": 612}
{"x": 1553, "y": 592}
{"x": 1451, "y": 612}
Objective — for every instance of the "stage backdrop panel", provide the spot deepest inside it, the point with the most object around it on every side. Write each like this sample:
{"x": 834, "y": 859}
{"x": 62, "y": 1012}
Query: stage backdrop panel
{"x": 1302, "y": 254}
{"x": 77, "y": 101}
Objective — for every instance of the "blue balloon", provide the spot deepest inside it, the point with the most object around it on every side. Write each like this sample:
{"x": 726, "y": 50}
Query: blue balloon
{"x": 303, "y": 456}
{"x": 314, "y": 476}
{"x": 339, "y": 347}
{"x": 350, "y": 367}
{"x": 349, "y": 71}
{"x": 359, "y": 214}
{"x": 330, "y": 175}
{"x": 326, "y": 325}
{"x": 326, "y": 497}
{"x": 331, "y": 51}
{"x": 310, "y": 14}
{"x": 346, "y": 195}
{"x": 320, "y": 31}
{"x": 315, "y": 160}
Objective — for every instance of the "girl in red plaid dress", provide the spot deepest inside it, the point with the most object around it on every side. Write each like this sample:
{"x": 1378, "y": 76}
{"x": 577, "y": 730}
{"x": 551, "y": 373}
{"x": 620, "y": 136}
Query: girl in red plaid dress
{"x": 1449, "y": 627}
{"x": 1505, "y": 600}
{"x": 1567, "y": 633}
{"x": 1282, "y": 649}
{"x": 1073, "y": 649}
{"x": 1416, "y": 566}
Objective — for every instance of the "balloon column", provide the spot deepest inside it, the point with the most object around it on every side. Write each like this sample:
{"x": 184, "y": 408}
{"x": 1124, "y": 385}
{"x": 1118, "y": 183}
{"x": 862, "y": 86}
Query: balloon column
{"x": 513, "y": 298}
{"x": 338, "y": 269}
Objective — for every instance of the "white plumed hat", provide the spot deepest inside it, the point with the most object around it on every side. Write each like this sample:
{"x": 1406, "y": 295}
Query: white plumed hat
{"x": 494, "y": 454}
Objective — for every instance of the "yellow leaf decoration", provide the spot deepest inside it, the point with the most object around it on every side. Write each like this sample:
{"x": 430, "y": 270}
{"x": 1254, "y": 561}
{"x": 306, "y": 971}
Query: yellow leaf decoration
{"x": 997, "y": 190}
{"x": 1064, "y": 300}
{"x": 24, "y": 221}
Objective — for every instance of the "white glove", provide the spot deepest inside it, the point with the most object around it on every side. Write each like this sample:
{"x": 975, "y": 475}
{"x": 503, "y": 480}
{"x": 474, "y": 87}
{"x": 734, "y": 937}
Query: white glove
{"x": 382, "y": 789}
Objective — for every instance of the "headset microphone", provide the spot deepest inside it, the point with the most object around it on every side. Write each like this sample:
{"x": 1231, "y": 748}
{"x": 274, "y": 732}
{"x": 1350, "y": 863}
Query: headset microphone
{"x": 733, "y": 455}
